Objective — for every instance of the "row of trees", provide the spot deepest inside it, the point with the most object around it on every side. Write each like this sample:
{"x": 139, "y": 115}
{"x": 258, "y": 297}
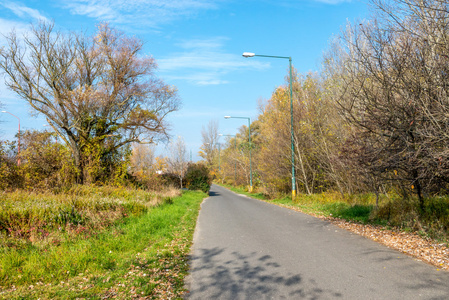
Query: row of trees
{"x": 374, "y": 120}
{"x": 47, "y": 164}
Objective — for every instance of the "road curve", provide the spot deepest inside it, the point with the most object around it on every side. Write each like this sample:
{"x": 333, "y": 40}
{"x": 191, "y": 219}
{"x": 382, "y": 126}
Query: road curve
{"x": 249, "y": 249}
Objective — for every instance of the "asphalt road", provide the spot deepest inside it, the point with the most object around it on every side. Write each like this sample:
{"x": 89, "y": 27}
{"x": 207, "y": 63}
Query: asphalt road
{"x": 248, "y": 249}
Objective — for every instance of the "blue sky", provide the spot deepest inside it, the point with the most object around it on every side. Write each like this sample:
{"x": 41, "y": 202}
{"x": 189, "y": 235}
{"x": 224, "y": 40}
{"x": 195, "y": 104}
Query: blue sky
{"x": 198, "y": 45}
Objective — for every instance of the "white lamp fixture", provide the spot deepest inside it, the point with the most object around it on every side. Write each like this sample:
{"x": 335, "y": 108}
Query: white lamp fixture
{"x": 248, "y": 54}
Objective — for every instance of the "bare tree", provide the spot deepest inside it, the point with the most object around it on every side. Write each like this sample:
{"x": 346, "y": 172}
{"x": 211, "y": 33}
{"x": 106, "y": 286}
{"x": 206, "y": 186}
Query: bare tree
{"x": 209, "y": 149}
{"x": 392, "y": 75}
{"x": 142, "y": 160}
{"x": 96, "y": 92}
{"x": 178, "y": 158}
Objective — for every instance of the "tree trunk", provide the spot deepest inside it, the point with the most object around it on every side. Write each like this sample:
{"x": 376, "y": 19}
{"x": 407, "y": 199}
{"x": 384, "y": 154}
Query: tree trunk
{"x": 78, "y": 161}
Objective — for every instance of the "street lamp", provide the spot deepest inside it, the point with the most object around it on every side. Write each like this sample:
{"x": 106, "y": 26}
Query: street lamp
{"x": 250, "y": 54}
{"x": 18, "y": 137}
{"x": 249, "y": 137}
{"x": 219, "y": 160}
{"x": 235, "y": 162}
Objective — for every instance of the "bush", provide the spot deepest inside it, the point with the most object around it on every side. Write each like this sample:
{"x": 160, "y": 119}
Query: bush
{"x": 45, "y": 163}
{"x": 9, "y": 171}
{"x": 406, "y": 213}
{"x": 197, "y": 177}
{"x": 171, "y": 179}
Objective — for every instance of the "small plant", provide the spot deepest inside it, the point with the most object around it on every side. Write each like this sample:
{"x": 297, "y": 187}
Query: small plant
{"x": 69, "y": 216}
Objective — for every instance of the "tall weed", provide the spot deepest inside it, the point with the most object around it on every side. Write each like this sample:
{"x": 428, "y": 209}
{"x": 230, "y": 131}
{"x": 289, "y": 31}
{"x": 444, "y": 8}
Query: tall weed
{"x": 407, "y": 214}
{"x": 34, "y": 215}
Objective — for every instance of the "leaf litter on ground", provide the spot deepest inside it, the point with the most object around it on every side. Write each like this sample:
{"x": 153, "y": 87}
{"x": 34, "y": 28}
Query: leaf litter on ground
{"x": 410, "y": 243}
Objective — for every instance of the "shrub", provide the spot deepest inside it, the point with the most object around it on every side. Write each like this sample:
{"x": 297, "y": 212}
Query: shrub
{"x": 171, "y": 179}
{"x": 197, "y": 177}
{"x": 9, "y": 171}
{"x": 45, "y": 163}
{"x": 406, "y": 213}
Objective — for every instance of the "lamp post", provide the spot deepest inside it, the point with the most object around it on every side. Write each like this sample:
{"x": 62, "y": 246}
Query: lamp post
{"x": 249, "y": 138}
{"x": 219, "y": 160}
{"x": 18, "y": 137}
{"x": 250, "y": 54}
{"x": 235, "y": 163}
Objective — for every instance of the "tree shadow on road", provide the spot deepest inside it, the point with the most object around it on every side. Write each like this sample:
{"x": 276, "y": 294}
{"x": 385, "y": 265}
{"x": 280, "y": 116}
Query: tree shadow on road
{"x": 412, "y": 276}
{"x": 212, "y": 194}
{"x": 247, "y": 276}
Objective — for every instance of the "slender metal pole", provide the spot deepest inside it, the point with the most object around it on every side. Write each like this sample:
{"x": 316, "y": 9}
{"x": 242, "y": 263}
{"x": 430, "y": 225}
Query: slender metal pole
{"x": 291, "y": 128}
{"x": 235, "y": 161}
{"x": 248, "y": 54}
{"x": 250, "y": 167}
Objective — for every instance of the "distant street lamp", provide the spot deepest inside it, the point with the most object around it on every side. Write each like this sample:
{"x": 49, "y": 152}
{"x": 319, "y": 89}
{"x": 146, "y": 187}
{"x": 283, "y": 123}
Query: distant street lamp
{"x": 18, "y": 137}
{"x": 235, "y": 163}
{"x": 219, "y": 160}
{"x": 249, "y": 137}
{"x": 250, "y": 54}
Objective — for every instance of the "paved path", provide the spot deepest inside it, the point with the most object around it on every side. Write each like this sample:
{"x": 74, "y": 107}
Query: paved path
{"x": 249, "y": 249}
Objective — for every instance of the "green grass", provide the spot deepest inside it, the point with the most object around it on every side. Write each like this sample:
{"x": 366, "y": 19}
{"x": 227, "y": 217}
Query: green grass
{"x": 244, "y": 191}
{"x": 143, "y": 255}
{"x": 354, "y": 208}
{"x": 343, "y": 210}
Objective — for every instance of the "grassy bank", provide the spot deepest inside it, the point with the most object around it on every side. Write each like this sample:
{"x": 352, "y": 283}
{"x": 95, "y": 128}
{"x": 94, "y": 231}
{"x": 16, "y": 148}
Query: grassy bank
{"x": 392, "y": 211}
{"x": 34, "y": 216}
{"x": 141, "y": 254}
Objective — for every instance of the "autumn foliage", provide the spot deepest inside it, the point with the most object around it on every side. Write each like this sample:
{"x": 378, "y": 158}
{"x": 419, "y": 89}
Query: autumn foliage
{"x": 374, "y": 121}
{"x": 97, "y": 92}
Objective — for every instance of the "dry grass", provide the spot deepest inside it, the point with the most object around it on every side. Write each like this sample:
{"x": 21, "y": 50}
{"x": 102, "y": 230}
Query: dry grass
{"x": 42, "y": 218}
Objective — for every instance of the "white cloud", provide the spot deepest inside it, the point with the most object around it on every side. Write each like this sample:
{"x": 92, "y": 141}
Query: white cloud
{"x": 148, "y": 12}
{"x": 9, "y": 98}
{"x": 20, "y": 26}
{"x": 6, "y": 26}
{"x": 204, "y": 62}
{"x": 22, "y": 11}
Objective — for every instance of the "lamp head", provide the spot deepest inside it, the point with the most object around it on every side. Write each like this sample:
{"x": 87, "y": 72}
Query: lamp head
{"x": 3, "y": 111}
{"x": 248, "y": 54}
{"x": 227, "y": 117}
{"x": 220, "y": 134}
